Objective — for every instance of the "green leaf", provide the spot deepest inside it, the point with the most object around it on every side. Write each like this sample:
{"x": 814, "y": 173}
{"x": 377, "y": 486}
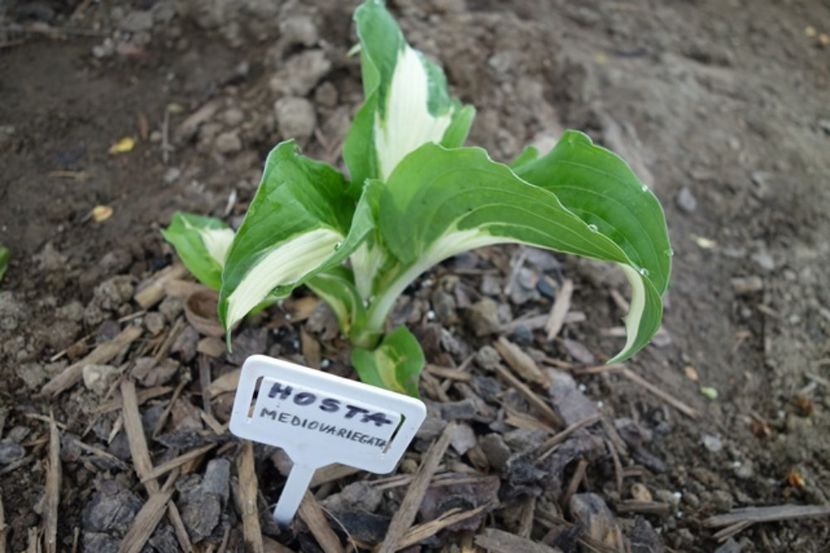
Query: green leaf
{"x": 395, "y": 365}
{"x": 599, "y": 187}
{"x": 298, "y": 224}
{"x": 440, "y": 202}
{"x": 336, "y": 287}
{"x": 202, "y": 244}
{"x": 407, "y": 103}
{"x": 5, "y": 255}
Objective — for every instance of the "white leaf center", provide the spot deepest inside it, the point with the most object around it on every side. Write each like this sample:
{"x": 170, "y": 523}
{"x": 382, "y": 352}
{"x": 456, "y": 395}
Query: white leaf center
{"x": 406, "y": 123}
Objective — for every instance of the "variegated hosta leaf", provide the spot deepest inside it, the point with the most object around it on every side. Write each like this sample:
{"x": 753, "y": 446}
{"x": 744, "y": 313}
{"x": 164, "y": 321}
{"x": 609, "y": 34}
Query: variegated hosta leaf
{"x": 299, "y": 223}
{"x": 440, "y": 202}
{"x": 600, "y": 188}
{"x": 395, "y": 365}
{"x": 407, "y": 103}
{"x": 202, "y": 244}
{"x": 336, "y": 287}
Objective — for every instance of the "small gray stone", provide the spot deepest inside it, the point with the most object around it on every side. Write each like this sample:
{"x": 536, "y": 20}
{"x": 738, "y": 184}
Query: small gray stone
{"x": 491, "y": 285}
{"x": 523, "y": 289}
{"x": 112, "y": 508}
{"x": 458, "y": 410}
{"x": 496, "y": 450}
{"x": 100, "y": 543}
{"x": 171, "y": 307}
{"x": 299, "y": 29}
{"x": 137, "y": 21}
{"x": 295, "y": 118}
{"x": 523, "y": 439}
{"x": 300, "y": 73}
{"x": 113, "y": 292}
{"x": 154, "y": 322}
{"x": 358, "y": 495}
{"x": 233, "y": 116}
{"x": 228, "y": 143}
{"x": 444, "y": 305}
{"x": 72, "y": 311}
{"x": 488, "y": 358}
{"x": 185, "y": 344}
{"x": 712, "y": 443}
{"x": 483, "y": 317}
{"x": 217, "y": 476}
{"x": 666, "y": 496}
{"x": 10, "y": 451}
{"x": 115, "y": 261}
{"x": 764, "y": 260}
{"x": 745, "y": 470}
{"x": 463, "y": 439}
{"x": 722, "y": 500}
{"x": 201, "y": 514}
{"x": 644, "y": 539}
{"x": 50, "y": 259}
{"x": 571, "y": 404}
{"x": 11, "y": 311}
{"x": 431, "y": 427}
{"x": 685, "y": 200}
{"x": 326, "y": 95}
{"x": 99, "y": 378}
{"x": 164, "y": 540}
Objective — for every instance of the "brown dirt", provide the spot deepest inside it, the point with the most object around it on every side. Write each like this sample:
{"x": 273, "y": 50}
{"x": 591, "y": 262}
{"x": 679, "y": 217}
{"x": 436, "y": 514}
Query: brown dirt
{"x": 728, "y": 100}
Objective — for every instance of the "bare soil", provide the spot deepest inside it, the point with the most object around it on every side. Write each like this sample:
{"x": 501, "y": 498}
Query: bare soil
{"x": 721, "y": 107}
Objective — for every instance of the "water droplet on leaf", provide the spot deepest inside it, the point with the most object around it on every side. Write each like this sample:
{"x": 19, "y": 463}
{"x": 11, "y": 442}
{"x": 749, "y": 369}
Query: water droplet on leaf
{"x": 593, "y": 228}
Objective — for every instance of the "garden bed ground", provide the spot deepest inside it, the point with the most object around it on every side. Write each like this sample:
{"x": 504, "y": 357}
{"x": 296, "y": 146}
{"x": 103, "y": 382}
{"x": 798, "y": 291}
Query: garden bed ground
{"x": 721, "y": 107}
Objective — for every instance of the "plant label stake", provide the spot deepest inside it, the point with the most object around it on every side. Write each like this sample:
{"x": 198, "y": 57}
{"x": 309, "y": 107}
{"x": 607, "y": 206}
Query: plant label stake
{"x": 319, "y": 419}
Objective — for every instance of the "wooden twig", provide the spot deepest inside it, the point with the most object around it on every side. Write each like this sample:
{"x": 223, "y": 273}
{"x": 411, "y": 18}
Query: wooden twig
{"x": 204, "y": 382}
{"x": 166, "y": 413}
{"x": 526, "y": 517}
{"x": 449, "y": 374}
{"x": 141, "y": 457}
{"x": 141, "y": 397}
{"x": 164, "y": 350}
{"x": 34, "y": 540}
{"x": 152, "y": 291}
{"x": 665, "y": 396}
{"x": 535, "y": 401}
{"x": 517, "y": 261}
{"x": 560, "y": 308}
{"x": 576, "y": 479}
{"x": 53, "y": 489}
{"x": 767, "y": 514}
{"x": 499, "y": 541}
{"x": 618, "y": 469}
{"x": 521, "y": 362}
{"x": 419, "y": 533}
{"x": 176, "y": 462}
{"x": 312, "y": 514}
{"x": 147, "y": 519}
{"x": 104, "y": 353}
{"x": 92, "y": 450}
{"x": 547, "y": 446}
{"x": 331, "y": 473}
{"x": 405, "y": 515}
{"x": 247, "y": 495}
{"x": 228, "y": 382}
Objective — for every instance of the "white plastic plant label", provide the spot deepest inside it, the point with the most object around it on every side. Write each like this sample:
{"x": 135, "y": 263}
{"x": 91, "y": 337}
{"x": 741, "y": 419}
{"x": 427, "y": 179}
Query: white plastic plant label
{"x": 319, "y": 419}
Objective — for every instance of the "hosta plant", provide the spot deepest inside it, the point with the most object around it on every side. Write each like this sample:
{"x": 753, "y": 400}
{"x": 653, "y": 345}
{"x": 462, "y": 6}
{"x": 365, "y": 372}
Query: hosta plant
{"x": 414, "y": 196}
